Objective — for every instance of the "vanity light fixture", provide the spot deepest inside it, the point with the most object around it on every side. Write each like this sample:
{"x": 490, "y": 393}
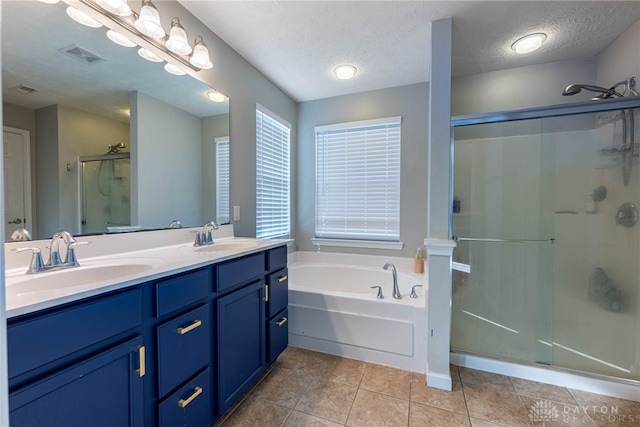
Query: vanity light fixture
{"x": 216, "y": 96}
{"x": 200, "y": 56}
{"x": 529, "y": 43}
{"x": 149, "y": 56}
{"x": 177, "y": 42}
{"x": 345, "y": 72}
{"x": 120, "y": 39}
{"x": 82, "y": 18}
{"x": 148, "y": 22}
{"x": 117, "y": 7}
{"x": 49, "y": 1}
{"x": 172, "y": 69}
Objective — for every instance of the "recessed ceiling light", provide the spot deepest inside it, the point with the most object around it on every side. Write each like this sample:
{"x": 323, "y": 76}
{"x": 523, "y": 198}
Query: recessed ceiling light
{"x": 172, "y": 69}
{"x": 148, "y": 55}
{"x": 345, "y": 72}
{"x": 120, "y": 39}
{"x": 216, "y": 96}
{"x": 529, "y": 43}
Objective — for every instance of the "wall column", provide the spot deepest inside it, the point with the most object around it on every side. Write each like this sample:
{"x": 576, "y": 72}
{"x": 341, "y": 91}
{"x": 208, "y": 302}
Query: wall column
{"x": 439, "y": 247}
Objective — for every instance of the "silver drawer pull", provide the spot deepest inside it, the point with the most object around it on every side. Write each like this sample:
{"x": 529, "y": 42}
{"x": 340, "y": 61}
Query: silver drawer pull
{"x": 191, "y": 327}
{"x": 282, "y": 321}
{"x": 182, "y": 403}
{"x": 282, "y": 279}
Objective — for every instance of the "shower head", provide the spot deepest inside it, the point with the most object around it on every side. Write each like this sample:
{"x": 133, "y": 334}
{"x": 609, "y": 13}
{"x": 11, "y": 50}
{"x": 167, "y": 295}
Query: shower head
{"x": 577, "y": 88}
{"x": 115, "y": 149}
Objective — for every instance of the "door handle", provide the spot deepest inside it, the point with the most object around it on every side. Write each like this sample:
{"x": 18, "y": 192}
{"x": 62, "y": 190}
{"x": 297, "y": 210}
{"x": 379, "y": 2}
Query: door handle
{"x": 282, "y": 279}
{"x": 191, "y": 327}
{"x": 142, "y": 370}
{"x": 15, "y": 221}
{"x": 282, "y": 321}
{"x": 182, "y": 403}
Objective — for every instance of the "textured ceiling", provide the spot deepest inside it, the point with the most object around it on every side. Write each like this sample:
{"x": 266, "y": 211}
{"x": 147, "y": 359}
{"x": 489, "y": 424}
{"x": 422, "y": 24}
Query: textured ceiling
{"x": 296, "y": 44}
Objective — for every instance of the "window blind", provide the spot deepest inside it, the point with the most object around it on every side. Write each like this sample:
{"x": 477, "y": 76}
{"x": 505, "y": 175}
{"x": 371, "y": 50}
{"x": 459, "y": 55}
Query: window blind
{"x": 272, "y": 175}
{"x": 222, "y": 180}
{"x": 358, "y": 180}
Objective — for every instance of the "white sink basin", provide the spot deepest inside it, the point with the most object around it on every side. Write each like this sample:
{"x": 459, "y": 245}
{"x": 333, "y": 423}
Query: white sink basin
{"x": 77, "y": 276}
{"x": 229, "y": 246}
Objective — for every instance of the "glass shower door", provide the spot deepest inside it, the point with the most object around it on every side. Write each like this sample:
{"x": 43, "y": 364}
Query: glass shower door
{"x": 504, "y": 260}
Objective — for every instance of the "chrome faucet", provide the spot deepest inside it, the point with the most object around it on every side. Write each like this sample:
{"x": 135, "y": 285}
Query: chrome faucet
{"x": 55, "y": 260}
{"x": 396, "y": 291}
{"x": 205, "y": 236}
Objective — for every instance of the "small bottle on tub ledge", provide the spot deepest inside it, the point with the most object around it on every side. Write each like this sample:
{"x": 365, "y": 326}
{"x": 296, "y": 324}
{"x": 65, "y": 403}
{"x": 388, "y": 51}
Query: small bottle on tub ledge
{"x": 419, "y": 261}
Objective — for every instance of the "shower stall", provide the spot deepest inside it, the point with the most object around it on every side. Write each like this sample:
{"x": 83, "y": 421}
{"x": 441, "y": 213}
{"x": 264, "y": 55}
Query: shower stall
{"x": 546, "y": 270}
{"x": 105, "y": 191}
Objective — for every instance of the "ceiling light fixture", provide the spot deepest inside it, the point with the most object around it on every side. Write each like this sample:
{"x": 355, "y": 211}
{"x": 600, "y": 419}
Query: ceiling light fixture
{"x": 148, "y": 22}
{"x": 82, "y": 18}
{"x": 117, "y": 7}
{"x": 127, "y": 28}
{"x": 149, "y": 56}
{"x": 172, "y": 69}
{"x": 216, "y": 96}
{"x": 200, "y": 57}
{"x": 345, "y": 72}
{"x": 177, "y": 42}
{"x": 120, "y": 39}
{"x": 49, "y": 1}
{"x": 529, "y": 43}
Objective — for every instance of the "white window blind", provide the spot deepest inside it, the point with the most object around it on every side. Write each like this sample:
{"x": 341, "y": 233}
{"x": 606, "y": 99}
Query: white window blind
{"x": 358, "y": 180}
{"x": 222, "y": 180}
{"x": 272, "y": 175}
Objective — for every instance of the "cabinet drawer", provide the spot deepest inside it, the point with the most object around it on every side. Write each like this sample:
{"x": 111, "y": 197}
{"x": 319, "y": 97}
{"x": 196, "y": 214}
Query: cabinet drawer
{"x": 278, "y": 292}
{"x": 278, "y": 335}
{"x": 239, "y": 271}
{"x": 277, "y": 258}
{"x": 183, "y": 348}
{"x": 44, "y": 339}
{"x": 180, "y": 291}
{"x": 190, "y": 405}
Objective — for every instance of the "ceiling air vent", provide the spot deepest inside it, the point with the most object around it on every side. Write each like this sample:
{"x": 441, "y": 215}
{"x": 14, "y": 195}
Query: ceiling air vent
{"x": 81, "y": 54}
{"x": 24, "y": 89}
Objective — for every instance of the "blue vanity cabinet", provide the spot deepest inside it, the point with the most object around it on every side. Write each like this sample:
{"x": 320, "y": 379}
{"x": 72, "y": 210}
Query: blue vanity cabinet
{"x": 79, "y": 365}
{"x": 277, "y": 303}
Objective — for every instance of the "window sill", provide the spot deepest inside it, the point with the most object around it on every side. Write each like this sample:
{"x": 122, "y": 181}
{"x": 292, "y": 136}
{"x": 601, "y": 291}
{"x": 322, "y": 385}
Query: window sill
{"x": 368, "y": 244}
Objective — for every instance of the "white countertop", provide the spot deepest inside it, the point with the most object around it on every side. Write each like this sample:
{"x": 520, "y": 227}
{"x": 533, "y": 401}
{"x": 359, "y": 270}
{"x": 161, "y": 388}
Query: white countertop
{"x": 153, "y": 255}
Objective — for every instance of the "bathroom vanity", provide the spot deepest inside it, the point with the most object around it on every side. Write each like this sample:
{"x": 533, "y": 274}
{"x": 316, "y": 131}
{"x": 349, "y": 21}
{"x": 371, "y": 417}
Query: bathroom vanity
{"x": 166, "y": 349}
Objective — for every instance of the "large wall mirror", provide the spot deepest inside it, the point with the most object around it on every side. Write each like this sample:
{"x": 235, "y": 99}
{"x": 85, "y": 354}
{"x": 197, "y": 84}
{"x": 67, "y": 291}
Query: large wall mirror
{"x": 113, "y": 140}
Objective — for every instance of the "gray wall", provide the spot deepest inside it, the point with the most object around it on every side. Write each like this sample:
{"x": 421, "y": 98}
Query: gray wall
{"x": 245, "y": 86}
{"x": 47, "y": 184}
{"x": 410, "y": 102}
{"x": 165, "y": 164}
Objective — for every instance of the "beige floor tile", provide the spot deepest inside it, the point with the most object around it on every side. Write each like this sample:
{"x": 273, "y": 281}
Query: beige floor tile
{"x": 342, "y": 370}
{"x": 374, "y": 409}
{"x": 328, "y": 399}
{"x": 455, "y": 375}
{"x": 257, "y": 412}
{"x": 475, "y": 422}
{"x": 547, "y": 413}
{"x": 485, "y": 379}
{"x": 299, "y": 419}
{"x": 386, "y": 380}
{"x": 282, "y": 386}
{"x": 299, "y": 359}
{"x": 543, "y": 391}
{"x": 450, "y": 400}
{"x": 495, "y": 405}
{"x": 428, "y": 416}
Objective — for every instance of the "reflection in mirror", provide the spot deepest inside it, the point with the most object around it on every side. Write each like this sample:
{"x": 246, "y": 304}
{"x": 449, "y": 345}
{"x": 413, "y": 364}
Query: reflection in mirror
{"x": 76, "y": 94}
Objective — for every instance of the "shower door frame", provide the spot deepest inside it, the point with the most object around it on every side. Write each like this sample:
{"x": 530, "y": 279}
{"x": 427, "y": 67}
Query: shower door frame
{"x": 81, "y": 162}
{"x": 599, "y": 383}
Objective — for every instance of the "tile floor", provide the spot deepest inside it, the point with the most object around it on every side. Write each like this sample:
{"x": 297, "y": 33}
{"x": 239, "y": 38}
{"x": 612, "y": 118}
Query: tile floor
{"x": 306, "y": 388}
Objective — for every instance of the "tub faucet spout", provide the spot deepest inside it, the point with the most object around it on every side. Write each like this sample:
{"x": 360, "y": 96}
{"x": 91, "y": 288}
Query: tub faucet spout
{"x": 396, "y": 291}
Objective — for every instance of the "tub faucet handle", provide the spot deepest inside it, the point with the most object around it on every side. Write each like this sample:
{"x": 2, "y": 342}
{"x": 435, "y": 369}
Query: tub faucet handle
{"x": 379, "y": 295}
{"x": 413, "y": 291}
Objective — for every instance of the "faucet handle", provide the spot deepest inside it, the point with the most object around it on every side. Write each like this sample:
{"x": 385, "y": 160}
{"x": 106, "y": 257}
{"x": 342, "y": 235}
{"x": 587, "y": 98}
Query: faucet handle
{"x": 413, "y": 291}
{"x": 36, "y": 265}
{"x": 72, "y": 259}
{"x": 379, "y": 296}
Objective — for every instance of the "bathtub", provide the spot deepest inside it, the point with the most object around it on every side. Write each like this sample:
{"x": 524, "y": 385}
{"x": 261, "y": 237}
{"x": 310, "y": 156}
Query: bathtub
{"x": 333, "y": 309}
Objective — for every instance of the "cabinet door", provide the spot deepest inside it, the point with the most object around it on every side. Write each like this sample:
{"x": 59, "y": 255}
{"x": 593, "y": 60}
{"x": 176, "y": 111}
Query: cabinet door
{"x": 241, "y": 342}
{"x": 104, "y": 391}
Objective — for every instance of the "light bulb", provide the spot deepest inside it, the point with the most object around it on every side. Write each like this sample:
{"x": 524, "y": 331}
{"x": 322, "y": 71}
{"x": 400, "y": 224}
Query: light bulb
{"x": 178, "y": 42}
{"x": 200, "y": 56}
{"x": 216, "y": 96}
{"x": 120, "y": 39}
{"x": 148, "y": 23}
{"x": 117, "y": 7}
{"x": 82, "y": 18}
{"x": 148, "y": 55}
{"x": 345, "y": 72}
{"x": 529, "y": 43}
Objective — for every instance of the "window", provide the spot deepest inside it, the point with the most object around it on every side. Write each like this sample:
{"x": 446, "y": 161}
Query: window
{"x": 358, "y": 180}
{"x": 222, "y": 180}
{"x": 272, "y": 175}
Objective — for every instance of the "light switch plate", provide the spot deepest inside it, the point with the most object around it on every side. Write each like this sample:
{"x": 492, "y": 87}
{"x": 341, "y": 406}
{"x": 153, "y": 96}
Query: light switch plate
{"x": 236, "y": 213}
